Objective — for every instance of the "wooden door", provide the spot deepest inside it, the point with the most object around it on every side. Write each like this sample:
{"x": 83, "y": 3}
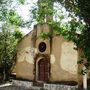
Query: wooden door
{"x": 43, "y": 70}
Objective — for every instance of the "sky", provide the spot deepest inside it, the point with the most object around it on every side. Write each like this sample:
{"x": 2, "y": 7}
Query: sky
{"x": 23, "y": 11}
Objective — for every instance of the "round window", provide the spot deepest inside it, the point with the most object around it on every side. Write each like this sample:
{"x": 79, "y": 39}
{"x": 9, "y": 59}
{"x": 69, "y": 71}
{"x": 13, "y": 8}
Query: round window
{"x": 42, "y": 46}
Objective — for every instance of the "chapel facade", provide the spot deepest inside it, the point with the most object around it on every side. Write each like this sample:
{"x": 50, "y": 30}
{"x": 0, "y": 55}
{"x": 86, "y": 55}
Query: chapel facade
{"x": 46, "y": 60}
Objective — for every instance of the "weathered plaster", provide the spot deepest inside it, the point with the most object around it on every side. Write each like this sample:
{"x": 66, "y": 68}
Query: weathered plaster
{"x": 52, "y": 59}
{"x": 24, "y": 70}
{"x": 59, "y": 71}
{"x": 68, "y": 60}
{"x": 27, "y": 54}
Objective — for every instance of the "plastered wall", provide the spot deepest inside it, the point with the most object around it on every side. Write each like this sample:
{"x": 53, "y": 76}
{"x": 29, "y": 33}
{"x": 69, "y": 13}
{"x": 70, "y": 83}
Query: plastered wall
{"x": 63, "y": 60}
{"x": 25, "y": 58}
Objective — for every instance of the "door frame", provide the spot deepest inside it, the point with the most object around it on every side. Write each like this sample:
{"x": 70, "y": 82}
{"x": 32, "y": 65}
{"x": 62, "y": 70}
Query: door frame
{"x": 37, "y": 58}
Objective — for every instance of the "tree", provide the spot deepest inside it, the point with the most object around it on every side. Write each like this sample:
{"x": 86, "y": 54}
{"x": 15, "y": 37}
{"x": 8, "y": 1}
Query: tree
{"x": 45, "y": 12}
{"x": 8, "y": 42}
{"x": 10, "y": 22}
{"x": 79, "y": 7}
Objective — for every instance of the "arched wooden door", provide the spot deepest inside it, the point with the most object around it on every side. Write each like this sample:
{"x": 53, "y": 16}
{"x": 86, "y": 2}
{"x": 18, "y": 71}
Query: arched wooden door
{"x": 43, "y": 70}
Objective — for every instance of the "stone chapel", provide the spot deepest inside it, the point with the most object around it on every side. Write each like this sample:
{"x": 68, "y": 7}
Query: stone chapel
{"x": 46, "y": 60}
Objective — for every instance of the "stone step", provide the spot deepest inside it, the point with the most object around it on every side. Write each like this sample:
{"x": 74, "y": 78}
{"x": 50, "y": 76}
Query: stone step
{"x": 38, "y": 84}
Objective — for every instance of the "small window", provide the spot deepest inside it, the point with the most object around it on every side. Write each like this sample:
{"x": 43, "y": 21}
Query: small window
{"x": 42, "y": 46}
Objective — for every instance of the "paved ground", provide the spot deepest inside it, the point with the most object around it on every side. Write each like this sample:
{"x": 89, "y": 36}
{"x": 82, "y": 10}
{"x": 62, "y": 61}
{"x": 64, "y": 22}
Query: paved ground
{"x": 12, "y": 87}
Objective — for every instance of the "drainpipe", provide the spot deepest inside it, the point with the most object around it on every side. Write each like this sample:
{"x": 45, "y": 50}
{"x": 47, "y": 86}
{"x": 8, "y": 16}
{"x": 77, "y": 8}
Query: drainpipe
{"x": 84, "y": 79}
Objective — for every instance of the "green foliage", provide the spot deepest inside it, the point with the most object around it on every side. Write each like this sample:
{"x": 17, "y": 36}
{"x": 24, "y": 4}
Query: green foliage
{"x": 68, "y": 30}
{"x": 22, "y": 1}
{"x": 9, "y": 21}
{"x": 81, "y": 8}
{"x": 84, "y": 6}
{"x": 84, "y": 43}
{"x": 14, "y": 18}
{"x": 44, "y": 35}
{"x": 8, "y": 13}
{"x": 83, "y": 72}
{"x": 8, "y": 42}
{"x": 43, "y": 10}
{"x": 17, "y": 34}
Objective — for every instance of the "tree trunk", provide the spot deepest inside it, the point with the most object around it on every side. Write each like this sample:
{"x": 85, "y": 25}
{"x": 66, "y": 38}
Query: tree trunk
{"x": 4, "y": 75}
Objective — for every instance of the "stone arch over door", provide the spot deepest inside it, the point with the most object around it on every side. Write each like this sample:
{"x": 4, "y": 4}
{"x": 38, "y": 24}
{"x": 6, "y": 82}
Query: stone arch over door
{"x": 42, "y": 68}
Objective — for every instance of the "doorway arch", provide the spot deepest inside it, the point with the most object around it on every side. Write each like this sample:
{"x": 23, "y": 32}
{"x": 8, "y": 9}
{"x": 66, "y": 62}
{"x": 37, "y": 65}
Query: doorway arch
{"x": 42, "y": 69}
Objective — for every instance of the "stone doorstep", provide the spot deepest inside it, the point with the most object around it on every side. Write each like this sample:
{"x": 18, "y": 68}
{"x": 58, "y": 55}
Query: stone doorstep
{"x": 36, "y": 88}
{"x": 38, "y": 84}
